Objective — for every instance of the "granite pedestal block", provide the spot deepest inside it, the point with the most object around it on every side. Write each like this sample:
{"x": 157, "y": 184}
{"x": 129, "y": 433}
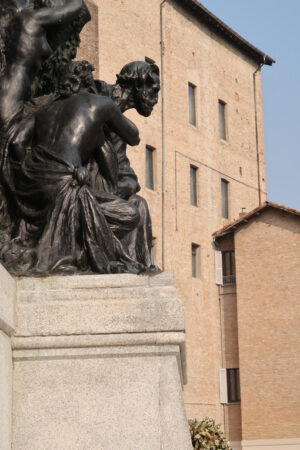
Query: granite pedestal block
{"x": 99, "y": 364}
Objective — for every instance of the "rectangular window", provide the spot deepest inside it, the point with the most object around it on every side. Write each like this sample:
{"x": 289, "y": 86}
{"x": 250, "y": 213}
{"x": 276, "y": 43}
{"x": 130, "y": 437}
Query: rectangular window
{"x": 195, "y": 261}
{"x": 153, "y": 250}
{"x": 222, "y": 119}
{"x": 224, "y": 193}
{"x": 228, "y": 267}
{"x": 229, "y": 386}
{"x": 192, "y": 104}
{"x": 150, "y": 167}
{"x": 193, "y": 185}
{"x": 233, "y": 385}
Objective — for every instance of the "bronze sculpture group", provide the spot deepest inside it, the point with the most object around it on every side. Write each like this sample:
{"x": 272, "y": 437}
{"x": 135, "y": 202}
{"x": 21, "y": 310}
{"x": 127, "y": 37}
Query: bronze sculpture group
{"x": 68, "y": 195}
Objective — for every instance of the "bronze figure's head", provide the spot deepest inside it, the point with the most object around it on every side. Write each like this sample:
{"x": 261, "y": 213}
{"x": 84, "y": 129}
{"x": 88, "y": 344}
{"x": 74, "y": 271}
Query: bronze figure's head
{"x": 142, "y": 78}
{"x": 75, "y": 76}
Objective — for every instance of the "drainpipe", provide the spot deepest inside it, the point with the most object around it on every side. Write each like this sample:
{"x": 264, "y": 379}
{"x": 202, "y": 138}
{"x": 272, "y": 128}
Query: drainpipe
{"x": 256, "y": 128}
{"x": 162, "y": 50}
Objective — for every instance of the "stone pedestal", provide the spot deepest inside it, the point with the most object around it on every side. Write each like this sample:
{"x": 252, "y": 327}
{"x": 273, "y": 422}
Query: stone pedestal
{"x": 7, "y": 325}
{"x": 99, "y": 363}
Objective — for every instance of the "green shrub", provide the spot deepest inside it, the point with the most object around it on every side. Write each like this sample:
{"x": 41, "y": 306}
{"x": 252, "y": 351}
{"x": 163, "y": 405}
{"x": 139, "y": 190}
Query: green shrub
{"x": 207, "y": 435}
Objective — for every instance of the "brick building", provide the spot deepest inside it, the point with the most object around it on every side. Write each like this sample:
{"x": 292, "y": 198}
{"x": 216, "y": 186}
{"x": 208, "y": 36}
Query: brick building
{"x": 205, "y": 145}
{"x": 259, "y": 288}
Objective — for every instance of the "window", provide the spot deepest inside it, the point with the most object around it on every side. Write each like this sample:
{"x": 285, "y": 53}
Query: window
{"x": 224, "y": 191}
{"x": 153, "y": 250}
{"x": 193, "y": 185}
{"x": 233, "y": 385}
{"x": 225, "y": 267}
{"x": 228, "y": 266}
{"x": 192, "y": 104}
{"x": 222, "y": 120}
{"x": 229, "y": 386}
{"x": 195, "y": 260}
{"x": 150, "y": 167}
{"x": 149, "y": 60}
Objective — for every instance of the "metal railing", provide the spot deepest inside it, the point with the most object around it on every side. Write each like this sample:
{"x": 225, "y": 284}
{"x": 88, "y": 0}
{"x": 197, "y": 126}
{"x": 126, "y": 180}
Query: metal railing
{"x": 228, "y": 279}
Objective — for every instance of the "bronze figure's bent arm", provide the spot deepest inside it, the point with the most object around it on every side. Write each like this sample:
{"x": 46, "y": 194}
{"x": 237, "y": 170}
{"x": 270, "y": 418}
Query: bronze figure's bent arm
{"x": 123, "y": 126}
{"x": 58, "y": 15}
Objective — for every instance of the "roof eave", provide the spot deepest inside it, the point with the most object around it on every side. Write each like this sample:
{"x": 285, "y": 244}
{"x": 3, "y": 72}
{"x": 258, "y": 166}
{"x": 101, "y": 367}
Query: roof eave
{"x": 232, "y": 227}
{"x": 228, "y": 33}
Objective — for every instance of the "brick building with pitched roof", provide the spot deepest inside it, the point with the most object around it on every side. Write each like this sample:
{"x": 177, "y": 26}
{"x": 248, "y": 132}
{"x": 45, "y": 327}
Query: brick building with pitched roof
{"x": 259, "y": 286}
{"x": 206, "y": 146}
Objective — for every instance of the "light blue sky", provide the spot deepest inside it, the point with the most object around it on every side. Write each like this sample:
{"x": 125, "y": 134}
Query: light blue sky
{"x": 273, "y": 27}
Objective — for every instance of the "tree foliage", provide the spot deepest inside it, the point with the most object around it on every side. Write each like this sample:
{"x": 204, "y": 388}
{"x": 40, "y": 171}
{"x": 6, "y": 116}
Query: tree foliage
{"x": 207, "y": 435}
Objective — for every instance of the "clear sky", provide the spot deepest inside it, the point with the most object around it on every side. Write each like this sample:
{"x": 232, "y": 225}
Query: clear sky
{"x": 273, "y": 27}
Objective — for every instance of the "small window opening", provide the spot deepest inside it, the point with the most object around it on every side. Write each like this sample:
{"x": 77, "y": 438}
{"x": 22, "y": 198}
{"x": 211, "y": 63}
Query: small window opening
{"x": 233, "y": 385}
{"x": 193, "y": 185}
{"x": 192, "y": 103}
{"x": 222, "y": 120}
{"x": 195, "y": 260}
{"x": 224, "y": 193}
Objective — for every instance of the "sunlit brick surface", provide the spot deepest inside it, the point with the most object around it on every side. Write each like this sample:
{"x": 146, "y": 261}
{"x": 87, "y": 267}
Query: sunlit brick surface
{"x": 131, "y": 30}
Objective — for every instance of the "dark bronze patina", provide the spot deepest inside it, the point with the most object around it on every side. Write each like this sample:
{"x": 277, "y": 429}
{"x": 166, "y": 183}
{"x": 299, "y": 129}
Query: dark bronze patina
{"x": 68, "y": 196}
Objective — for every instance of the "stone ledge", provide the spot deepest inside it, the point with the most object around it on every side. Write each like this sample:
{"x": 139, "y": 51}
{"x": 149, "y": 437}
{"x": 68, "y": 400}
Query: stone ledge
{"x": 71, "y": 282}
{"x": 105, "y": 340}
{"x": 101, "y": 352}
{"x": 97, "y": 340}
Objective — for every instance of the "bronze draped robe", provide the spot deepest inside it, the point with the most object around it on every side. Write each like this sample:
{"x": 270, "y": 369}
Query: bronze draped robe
{"x": 78, "y": 228}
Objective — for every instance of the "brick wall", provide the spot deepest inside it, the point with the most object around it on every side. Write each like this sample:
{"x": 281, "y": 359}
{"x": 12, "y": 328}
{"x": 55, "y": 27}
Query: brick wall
{"x": 268, "y": 295}
{"x": 130, "y": 30}
{"x": 89, "y": 47}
